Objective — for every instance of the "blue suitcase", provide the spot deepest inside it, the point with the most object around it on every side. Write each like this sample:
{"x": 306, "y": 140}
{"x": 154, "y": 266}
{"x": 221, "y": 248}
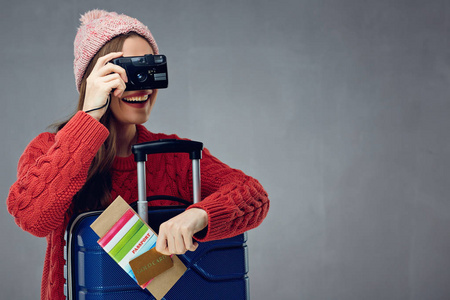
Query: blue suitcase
{"x": 216, "y": 270}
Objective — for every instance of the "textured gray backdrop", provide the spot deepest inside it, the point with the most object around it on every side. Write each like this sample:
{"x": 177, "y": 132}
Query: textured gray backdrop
{"x": 340, "y": 108}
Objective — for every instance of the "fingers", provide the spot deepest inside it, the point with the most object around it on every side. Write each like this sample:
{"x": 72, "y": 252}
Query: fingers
{"x": 106, "y": 72}
{"x": 175, "y": 235}
{"x": 114, "y": 81}
{"x": 189, "y": 244}
{"x": 110, "y": 68}
{"x": 104, "y": 59}
{"x": 161, "y": 243}
{"x": 104, "y": 67}
{"x": 172, "y": 241}
{"x": 175, "y": 240}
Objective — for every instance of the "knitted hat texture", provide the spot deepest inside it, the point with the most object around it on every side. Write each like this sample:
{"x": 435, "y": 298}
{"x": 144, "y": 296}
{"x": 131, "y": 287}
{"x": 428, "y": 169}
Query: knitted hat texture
{"x": 97, "y": 28}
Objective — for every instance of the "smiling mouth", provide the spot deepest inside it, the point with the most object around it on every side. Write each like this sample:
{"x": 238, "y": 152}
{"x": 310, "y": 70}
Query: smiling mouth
{"x": 136, "y": 99}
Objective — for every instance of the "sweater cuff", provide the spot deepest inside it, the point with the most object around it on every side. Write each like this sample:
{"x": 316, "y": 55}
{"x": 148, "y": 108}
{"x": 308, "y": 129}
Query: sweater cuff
{"x": 84, "y": 128}
{"x": 216, "y": 217}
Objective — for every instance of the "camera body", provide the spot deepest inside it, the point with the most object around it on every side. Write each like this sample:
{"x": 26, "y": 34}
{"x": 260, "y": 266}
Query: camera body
{"x": 144, "y": 72}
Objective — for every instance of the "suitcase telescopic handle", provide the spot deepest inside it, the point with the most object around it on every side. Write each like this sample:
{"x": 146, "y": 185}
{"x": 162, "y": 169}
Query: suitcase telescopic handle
{"x": 140, "y": 151}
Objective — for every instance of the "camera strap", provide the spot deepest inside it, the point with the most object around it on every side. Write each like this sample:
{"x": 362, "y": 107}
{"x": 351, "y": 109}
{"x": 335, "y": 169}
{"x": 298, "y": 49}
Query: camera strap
{"x": 103, "y": 106}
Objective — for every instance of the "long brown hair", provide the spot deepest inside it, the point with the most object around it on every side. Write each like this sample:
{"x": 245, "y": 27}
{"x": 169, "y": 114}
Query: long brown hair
{"x": 96, "y": 192}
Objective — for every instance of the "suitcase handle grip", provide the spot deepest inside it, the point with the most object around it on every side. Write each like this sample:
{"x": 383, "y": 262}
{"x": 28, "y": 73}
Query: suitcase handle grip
{"x": 194, "y": 149}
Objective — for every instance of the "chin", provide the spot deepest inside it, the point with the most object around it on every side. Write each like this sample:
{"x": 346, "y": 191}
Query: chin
{"x": 129, "y": 119}
{"x": 138, "y": 121}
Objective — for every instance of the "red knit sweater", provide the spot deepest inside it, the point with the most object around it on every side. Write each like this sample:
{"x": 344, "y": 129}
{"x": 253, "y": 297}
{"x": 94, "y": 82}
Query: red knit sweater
{"x": 54, "y": 167}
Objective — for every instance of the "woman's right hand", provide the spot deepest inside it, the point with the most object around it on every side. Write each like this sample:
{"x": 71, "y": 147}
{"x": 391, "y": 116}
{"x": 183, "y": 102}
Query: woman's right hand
{"x": 104, "y": 78}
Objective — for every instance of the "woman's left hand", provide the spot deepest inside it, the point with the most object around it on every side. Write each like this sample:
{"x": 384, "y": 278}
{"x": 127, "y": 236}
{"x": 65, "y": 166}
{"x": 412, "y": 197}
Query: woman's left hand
{"x": 175, "y": 235}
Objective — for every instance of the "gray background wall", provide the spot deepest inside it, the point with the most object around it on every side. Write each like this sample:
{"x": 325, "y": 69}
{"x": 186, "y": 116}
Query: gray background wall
{"x": 339, "y": 108}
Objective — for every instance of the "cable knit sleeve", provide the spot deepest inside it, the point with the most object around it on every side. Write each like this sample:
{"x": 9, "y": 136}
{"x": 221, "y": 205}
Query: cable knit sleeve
{"x": 51, "y": 170}
{"x": 235, "y": 202}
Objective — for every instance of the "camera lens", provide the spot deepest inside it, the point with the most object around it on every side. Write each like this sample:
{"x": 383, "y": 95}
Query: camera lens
{"x": 141, "y": 77}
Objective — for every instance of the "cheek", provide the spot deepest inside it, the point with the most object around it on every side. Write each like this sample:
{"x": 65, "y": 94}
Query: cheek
{"x": 153, "y": 98}
{"x": 116, "y": 106}
{"x": 114, "y": 103}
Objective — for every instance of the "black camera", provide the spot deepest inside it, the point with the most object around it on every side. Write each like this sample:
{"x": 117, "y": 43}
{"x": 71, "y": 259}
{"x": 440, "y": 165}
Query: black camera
{"x": 144, "y": 72}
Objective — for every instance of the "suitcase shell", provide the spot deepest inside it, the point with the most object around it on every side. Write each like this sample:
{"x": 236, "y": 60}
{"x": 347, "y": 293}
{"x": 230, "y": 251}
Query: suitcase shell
{"x": 216, "y": 270}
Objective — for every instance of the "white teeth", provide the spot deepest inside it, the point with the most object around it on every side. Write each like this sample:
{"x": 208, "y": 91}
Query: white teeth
{"x": 136, "y": 99}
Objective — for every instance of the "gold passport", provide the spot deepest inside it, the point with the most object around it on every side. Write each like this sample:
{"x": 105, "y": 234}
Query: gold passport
{"x": 149, "y": 265}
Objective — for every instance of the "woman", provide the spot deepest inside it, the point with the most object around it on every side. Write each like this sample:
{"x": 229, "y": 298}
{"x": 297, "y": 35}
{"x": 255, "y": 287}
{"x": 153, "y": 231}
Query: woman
{"x": 87, "y": 163}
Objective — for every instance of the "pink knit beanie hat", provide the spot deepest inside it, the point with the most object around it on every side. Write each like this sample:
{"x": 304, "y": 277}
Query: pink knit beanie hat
{"x": 97, "y": 28}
